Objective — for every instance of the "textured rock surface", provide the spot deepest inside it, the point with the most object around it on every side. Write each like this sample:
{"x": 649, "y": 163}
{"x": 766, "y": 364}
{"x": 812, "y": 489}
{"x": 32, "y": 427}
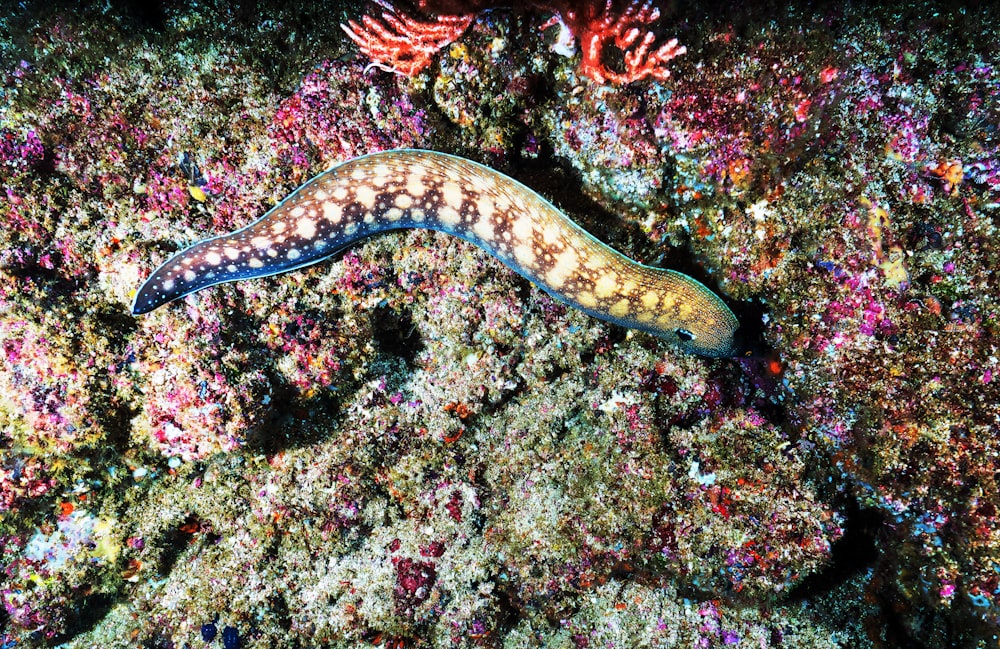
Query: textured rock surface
{"x": 412, "y": 446}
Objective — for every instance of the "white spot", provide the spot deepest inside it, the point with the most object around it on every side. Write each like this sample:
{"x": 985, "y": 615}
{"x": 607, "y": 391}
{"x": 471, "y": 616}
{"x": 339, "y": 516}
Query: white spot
{"x": 393, "y": 214}
{"x": 552, "y": 235}
{"x": 296, "y": 212}
{"x": 565, "y": 266}
{"x": 485, "y": 206}
{"x": 255, "y": 263}
{"x": 403, "y": 201}
{"x": 260, "y": 242}
{"x": 231, "y": 252}
{"x": 452, "y": 194}
{"x": 340, "y": 193}
{"x": 380, "y": 175}
{"x": 306, "y": 228}
{"x": 213, "y": 258}
{"x": 484, "y": 229}
{"x": 418, "y": 215}
{"x": 168, "y": 285}
{"x": 525, "y": 255}
{"x": 587, "y": 299}
{"x": 523, "y": 227}
{"x": 293, "y": 254}
{"x": 606, "y": 284}
{"x": 449, "y": 216}
{"x": 321, "y": 195}
{"x": 231, "y": 268}
{"x": 189, "y": 275}
{"x": 332, "y": 212}
{"x": 279, "y": 226}
{"x": 366, "y": 196}
{"x": 620, "y": 308}
{"x": 415, "y": 186}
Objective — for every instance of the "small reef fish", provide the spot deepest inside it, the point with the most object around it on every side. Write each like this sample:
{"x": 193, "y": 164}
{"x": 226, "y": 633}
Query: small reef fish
{"x": 409, "y": 188}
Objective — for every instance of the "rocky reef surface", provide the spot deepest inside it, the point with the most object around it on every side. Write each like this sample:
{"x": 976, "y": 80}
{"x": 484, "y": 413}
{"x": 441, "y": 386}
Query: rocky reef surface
{"x": 412, "y": 446}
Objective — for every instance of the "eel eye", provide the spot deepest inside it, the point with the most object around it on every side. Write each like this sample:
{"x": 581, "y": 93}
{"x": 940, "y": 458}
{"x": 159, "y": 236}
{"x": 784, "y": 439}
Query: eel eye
{"x": 684, "y": 335}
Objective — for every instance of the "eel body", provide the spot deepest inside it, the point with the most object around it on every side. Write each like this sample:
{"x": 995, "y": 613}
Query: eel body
{"x": 423, "y": 189}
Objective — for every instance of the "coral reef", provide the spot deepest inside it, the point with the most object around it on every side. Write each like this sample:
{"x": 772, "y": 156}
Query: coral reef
{"x": 407, "y": 45}
{"x": 410, "y": 445}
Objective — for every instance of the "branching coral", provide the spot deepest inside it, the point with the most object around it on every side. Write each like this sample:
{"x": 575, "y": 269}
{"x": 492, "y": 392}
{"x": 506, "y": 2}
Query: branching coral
{"x": 628, "y": 29}
{"x": 402, "y": 43}
{"x": 407, "y": 45}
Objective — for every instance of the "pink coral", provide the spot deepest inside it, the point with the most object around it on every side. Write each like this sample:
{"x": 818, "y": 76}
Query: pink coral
{"x": 201, "y": 402}
{"x": 43, "y": 390}
{"x": 336, "y": 114}
{"x": 22, "y": 478}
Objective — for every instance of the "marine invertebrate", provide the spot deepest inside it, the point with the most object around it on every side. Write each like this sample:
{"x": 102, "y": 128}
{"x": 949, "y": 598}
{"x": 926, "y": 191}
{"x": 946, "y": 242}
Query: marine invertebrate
{"x": 407, "y": 45}
{"x": 425, "y": 189}
{"x": 402, "y": 43}
{"x": 627, "y": 28}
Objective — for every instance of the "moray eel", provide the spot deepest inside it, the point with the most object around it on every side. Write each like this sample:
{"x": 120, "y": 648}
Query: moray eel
{"x": 424, "y": 189}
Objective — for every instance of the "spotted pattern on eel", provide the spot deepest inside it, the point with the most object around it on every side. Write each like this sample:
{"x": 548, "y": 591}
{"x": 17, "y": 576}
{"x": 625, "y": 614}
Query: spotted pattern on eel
{"x": 423, "y": 189}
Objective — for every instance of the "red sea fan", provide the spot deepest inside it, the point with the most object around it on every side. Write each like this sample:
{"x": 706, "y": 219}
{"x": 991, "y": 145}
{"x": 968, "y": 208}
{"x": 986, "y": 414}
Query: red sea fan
{"x": 628, "y": 29}
{"x": 401, "y": 43}
{"x": 407, "y": 45}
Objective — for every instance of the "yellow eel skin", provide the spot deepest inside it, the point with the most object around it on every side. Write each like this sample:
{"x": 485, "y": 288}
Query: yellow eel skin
{"x": 410, "y": 188}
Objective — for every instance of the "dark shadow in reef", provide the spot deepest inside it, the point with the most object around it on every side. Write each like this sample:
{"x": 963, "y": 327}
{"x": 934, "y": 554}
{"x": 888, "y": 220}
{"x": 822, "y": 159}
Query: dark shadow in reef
{"x": 83, "y": 617}
{"x": 749, "y": 338}
{"x": 396, "y": 335}
{"x": 142, "y": 14}
{"x": 297, "y": 421}
{"x": 852, "y": 555}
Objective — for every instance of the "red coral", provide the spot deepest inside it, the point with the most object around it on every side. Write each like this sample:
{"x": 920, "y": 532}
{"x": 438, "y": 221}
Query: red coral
{"x": 404, "y": 44}
{"x": 628, "y": 30}
{"x": 407, "y": 45}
